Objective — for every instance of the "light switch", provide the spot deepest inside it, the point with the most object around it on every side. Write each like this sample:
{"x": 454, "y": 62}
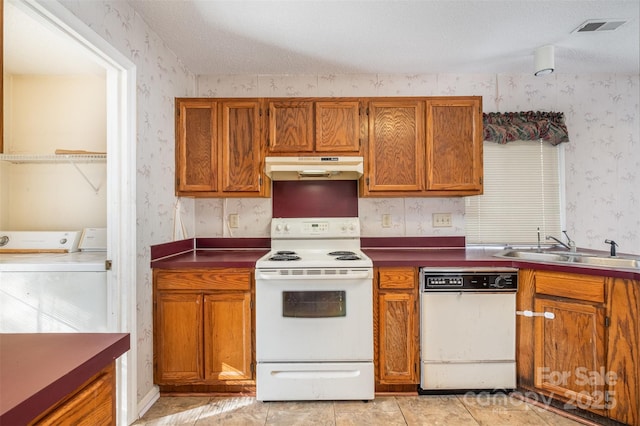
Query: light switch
{"x": 386, "y": 220}
{"x": 234, "y": 220}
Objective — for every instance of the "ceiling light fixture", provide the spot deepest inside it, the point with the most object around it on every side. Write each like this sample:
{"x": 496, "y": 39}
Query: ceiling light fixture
{"x": 544, "y": 60}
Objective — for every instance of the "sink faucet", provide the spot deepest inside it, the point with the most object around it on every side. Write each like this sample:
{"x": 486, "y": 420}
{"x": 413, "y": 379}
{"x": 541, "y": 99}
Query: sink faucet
{"x": 613, "y": 247}
{"x": 570, "y": 245}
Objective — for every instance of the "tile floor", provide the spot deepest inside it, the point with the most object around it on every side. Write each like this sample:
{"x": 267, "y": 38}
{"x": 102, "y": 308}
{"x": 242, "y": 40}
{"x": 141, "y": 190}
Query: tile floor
{"x": 457, "y": 410}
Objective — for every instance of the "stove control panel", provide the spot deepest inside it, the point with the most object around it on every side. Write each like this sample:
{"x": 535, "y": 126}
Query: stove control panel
{"x": 328, "y": 227}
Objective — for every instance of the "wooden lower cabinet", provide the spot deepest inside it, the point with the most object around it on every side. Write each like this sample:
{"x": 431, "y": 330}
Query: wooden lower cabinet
{"x": 94, "y": 403}
{"x": 587, "y": 355}
{"x": 396, "y": 328}
{"x": 203, "y": 327}
{"x": 568, "y": 350}
{"x": 623, "y": 350}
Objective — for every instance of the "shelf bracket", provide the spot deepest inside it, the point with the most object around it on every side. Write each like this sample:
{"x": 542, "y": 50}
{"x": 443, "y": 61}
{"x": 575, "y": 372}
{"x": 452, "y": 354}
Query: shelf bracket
{"x": 94, "y": 187}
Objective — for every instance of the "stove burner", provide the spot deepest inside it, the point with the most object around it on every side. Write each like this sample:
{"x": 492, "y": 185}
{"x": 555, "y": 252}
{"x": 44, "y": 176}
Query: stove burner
{"x": 342, "y": 253}
{"x": 348, "y": 257}
{"x": 286, "y": 252}
{"x": 284, "y": 257}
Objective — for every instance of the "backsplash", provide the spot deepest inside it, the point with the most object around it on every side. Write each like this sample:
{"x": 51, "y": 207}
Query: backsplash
{"x": 409, "y": 216}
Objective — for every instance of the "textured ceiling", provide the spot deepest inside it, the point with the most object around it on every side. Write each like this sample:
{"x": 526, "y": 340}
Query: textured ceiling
{"x": 430, "y": 36}
{"x": 349, "y": 36}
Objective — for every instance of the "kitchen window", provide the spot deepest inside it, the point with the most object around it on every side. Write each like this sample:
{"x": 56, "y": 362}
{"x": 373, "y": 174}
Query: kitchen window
{"x": 522, "y": 192}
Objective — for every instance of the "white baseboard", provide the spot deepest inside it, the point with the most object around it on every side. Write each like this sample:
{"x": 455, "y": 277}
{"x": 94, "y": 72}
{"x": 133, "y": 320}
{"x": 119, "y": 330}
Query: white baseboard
{"x": 149, "y": 399}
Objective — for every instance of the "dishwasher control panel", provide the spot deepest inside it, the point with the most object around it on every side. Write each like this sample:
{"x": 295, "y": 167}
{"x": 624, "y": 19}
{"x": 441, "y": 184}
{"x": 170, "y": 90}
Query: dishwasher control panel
{"x": 494, "y": 279}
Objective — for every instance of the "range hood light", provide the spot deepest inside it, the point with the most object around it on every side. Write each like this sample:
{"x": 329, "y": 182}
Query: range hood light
{"x": 320, "y": 168}
{"x": 313, "y": 172}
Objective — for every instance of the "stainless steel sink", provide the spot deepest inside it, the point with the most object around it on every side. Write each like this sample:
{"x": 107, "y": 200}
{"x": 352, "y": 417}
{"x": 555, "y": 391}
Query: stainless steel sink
{"x": 577, "y": 258}
{"x": 612, "y": 262}
{"x": 533, "y": 255}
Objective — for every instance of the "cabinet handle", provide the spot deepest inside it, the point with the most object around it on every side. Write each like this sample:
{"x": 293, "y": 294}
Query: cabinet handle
{"x": 547, "y": 315}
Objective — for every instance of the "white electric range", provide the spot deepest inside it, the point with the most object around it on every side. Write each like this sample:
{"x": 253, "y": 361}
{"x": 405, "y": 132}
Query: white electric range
{"x": 314, "y": 305}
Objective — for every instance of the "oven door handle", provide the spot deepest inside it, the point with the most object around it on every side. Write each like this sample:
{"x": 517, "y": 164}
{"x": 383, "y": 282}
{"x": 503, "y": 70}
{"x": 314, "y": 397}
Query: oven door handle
{"x": 355, "y": 275}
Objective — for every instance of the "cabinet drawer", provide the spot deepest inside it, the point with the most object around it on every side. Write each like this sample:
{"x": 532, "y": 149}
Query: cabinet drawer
{"x": 573, "y": 286}
{"x": 393, "y": 278}
{"x": 204, "y": 279}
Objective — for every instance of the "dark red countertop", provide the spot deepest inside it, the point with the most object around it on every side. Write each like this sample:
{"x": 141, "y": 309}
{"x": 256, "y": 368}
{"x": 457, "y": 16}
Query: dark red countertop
{"x": 211, "y": 258}
{"x": 209, "y": 253}
{"x": 405, "y": 251}
{"x": 39, "y": 369}
{"x": 480, "y": 257}
{"x": 445, "y": 257}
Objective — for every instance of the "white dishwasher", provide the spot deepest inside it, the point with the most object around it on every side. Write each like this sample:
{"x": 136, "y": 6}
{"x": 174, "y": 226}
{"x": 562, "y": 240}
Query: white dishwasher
{"x": 467, "y": 329}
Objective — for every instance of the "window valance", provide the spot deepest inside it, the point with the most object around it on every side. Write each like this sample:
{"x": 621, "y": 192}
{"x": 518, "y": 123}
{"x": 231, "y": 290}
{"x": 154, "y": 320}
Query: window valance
{"x": 525, "y": 126}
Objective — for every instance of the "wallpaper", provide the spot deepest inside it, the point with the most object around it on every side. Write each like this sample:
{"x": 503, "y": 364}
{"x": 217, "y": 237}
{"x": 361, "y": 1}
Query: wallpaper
{"x": 601, "y": 161}
{"x": 160, "y": 78}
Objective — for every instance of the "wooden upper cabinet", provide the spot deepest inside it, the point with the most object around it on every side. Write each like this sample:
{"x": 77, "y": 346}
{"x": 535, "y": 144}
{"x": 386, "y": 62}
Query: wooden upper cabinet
{"x": 337, "y": 126}
{"x": 454, "y": 144}
{"x": 240, "y": 146}
{"x": 290, "y": 126}
{"x": 311, "y": 127}
{"x": 197, "y": 139}
{"x": 396, "y": 146}
{"x": 412, "y": 146}
{"x": 218, "y": 148}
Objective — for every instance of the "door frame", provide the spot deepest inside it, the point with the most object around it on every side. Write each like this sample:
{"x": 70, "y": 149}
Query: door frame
{"x": 121, "y": 186}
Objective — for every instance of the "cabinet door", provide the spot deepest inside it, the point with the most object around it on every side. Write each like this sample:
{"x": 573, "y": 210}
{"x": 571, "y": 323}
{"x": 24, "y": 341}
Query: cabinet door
{"x": 570, "y": 352}
{"x": 396, "y": 146}
{"x": 290, "y": 126}
{"x": 196, "y": 155}
{"x": 454, "y": 144}
{"x": 227, "y": 331}
{"x": 623, "y": 351}
{"x": 337, "y": 126}
{"x": 178, "y": 338}
{"x": 240, "y": 146}
{"x": 397, "y": 340}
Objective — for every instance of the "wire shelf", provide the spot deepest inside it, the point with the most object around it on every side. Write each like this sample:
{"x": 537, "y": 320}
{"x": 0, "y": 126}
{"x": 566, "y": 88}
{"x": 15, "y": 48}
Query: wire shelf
{"x": 53, "y": 158}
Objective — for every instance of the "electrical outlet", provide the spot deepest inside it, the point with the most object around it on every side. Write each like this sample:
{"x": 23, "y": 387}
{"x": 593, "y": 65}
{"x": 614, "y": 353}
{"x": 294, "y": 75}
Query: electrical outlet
{"x": 386, "y": 220}
{"x": 441, "y": 220}
{"x": 234, "y": 220}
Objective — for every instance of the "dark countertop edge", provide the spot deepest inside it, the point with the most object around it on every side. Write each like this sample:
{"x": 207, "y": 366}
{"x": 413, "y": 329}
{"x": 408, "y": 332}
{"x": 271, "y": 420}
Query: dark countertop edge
{"x": 48, "y": 396}
{"x": 576, "y": 269}
{"x": 412, "y": 242}
{"x": 490, "y": 262}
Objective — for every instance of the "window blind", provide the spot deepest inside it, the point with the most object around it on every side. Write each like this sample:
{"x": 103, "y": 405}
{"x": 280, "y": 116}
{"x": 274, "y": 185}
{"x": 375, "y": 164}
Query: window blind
{"x": 521, "y": 194}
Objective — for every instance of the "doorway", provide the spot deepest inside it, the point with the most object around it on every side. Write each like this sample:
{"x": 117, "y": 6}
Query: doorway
{"x": 120, "y": 178}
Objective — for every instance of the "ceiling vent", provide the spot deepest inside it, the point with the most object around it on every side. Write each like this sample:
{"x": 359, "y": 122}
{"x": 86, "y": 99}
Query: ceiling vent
{"x": 593, "y": 25}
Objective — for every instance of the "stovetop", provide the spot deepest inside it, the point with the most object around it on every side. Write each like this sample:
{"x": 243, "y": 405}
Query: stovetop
{"x": 309, "y": 258}
{"x": 315, "y": 243}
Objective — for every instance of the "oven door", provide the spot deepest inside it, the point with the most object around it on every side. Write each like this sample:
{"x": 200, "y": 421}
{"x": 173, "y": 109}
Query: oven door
{"x": 314, "y": 315}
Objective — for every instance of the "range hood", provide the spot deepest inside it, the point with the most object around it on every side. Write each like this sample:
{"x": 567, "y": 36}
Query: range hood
{"x": 314, "y": 168}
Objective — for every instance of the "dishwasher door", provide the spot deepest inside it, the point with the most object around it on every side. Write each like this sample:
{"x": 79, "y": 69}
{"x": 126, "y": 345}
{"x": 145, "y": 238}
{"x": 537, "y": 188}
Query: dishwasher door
{"x": 468, "y": 340}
